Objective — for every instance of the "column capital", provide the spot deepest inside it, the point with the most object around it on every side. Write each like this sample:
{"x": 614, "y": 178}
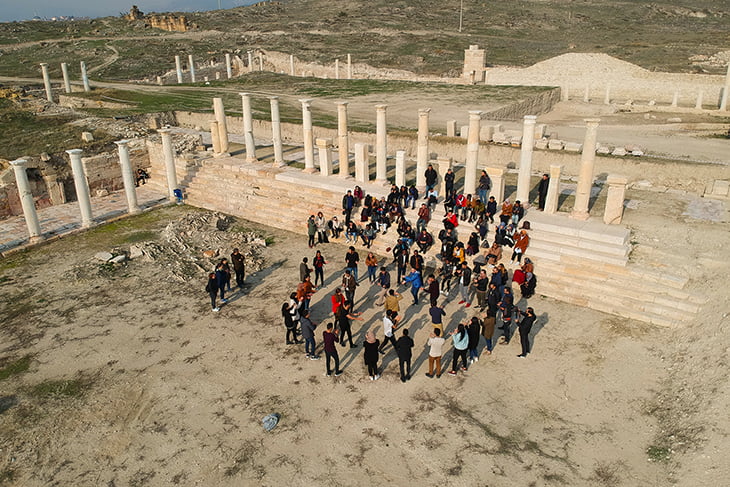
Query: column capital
{"x": 381, "y": 108}
{"x": 273, "y": 98}
{"x": 164, "y": 131}
{"x": 122, "y": 142}
{"x": 424, "y": 111}
{"x": 617, "y": 179}
{"x": 44, "y": 65}
{"x": 244, "y": 94}
{"x": 592, "y": 122}
{"x": 475, "y": 114}
{"x": 530, "y": 119}
{"x": 342, "y": 103}
{"x": 73, "y": 152}
{"x": 19, "y": 162}
{"x": 306, "y": 101}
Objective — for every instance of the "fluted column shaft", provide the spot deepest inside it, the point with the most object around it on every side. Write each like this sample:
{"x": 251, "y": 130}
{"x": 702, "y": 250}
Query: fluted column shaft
{"x": 276, "y": 132}
{"x": 66, "y": 80}
{"x": 308, "y": 135}
{"x": 472, "y": 152}
{"x": 26, "y": 199}
{"x": 169, "y": 155}
{"x": 343, "y": 140}
{"x": 82, "y": 187}
{"x": 381, "y": 144}
{"x": 585, "y": 176}
{"x": 85, "y": 77}
{"x": 47, "y": 82}
{"x": 178, "y": 69}
{"x": 128, "y": 177}
{"x": 220, "y": 115}
{"x": 528, "y": 142}
{"x": 248, "y": 128}
{"x": 422, "y": 150}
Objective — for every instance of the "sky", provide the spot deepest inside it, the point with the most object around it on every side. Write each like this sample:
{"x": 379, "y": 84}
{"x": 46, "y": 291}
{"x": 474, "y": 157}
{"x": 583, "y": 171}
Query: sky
{"x": 27, "y": 9}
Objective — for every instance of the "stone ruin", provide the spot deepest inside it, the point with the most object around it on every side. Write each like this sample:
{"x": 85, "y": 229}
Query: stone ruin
{"x": 171, "y": 23}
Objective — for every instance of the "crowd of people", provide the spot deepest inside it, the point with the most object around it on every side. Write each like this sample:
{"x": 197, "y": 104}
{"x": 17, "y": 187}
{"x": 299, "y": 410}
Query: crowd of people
{"x": 485, "y": 279}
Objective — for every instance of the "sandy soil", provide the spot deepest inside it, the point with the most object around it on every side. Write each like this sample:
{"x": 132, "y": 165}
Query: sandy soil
{"x": 132, "y": 380}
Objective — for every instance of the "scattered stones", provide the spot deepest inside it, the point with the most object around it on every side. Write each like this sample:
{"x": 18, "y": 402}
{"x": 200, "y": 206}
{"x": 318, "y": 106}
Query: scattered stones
{"x": 674, "y": 120}
{"x": 103, "y": 256}
{"x": 118, "y": 259}
{"x": 87, "y": 137}
{"x": 102, "y": 192}
{"x": 135, "y": 252}
{"x": 619, "y": 151}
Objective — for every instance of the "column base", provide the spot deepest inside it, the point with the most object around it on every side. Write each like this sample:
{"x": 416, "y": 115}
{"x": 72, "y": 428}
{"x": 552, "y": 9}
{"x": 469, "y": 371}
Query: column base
{"x": 310, "y": 170}
{"x": 88, "y": 224}
{"x": 135, "y": 211}
{"x": 579, "y": 215}
{"x": 279, "y": 164}
{"x": 251, "y": 159}
{"x": 222, "y": 154}
{"x": 345, "y": 176}
{"x": 37, "y": 239}
{"x": 383, "y": 182}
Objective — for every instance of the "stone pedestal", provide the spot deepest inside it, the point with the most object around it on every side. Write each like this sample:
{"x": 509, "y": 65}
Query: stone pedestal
{"x": 565, "y": 93}
{"x": 381, "y": 145}
{"x": 66, "y": 80}
{"x": 444, "y": 164}
{"x": 585, "y": 177}
{"x": 343, "y": 140}
{"x": 229, "y": 70}
{"x": 276, "y": 132}
{"x": 128, "y": 177}
{"x": 261, "y": 61}
{"x": 349, "y": 67}
{"x": 308, "y": 135}
{"x": 248, "y": 128}
{"x": 451, "y": 128}
{"x": 291, "y": 65}
{"x": 698, "y": 103}
{"x": 191, "y": 66}
{"x": 615, "y": 201}
{"x": 85, "y": 77}
{"x": 250, "y": 61}
{"x": 337, "y": 69}
{"x": 400, "y": 168}
{"x": 496, "y": 174}
{"x": 362, "y": 163}
{"x": 324, "y": 147}
{"x": 82, "y": 187}
{"x": 26, "y": 200}
{"x": 178, "y": 69}
{"x": 523, "y": 177}
{"x": 169, "y": 154}
{"x": 472, "y": 152}
{"x": 553, "y": 193}
{"x": 47, "y": 82}
{"x": 422, "y": 151}
{"x": 725, "y": 90}
{"x": 220, "y": 116}
{"x": 675, "y": 99}
{"x": 215, "y": 137}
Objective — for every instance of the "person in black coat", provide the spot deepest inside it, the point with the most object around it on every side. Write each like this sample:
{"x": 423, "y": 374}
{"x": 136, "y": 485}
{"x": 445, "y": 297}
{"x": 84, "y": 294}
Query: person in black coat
{"x": 542, "y": 190}
{"x": 404, "y": 346}
{"x": 212, "y": 289}
{"x": 431, "y": 178}
{"x": 525, "y": 326}
{"x": 474, "y": 332}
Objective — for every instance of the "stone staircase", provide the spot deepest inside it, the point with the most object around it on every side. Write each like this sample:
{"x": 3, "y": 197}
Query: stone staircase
{"x": 583, "y": 263}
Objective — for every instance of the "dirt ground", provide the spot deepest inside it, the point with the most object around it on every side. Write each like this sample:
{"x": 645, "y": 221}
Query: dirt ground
{"x": 123, "y": 376}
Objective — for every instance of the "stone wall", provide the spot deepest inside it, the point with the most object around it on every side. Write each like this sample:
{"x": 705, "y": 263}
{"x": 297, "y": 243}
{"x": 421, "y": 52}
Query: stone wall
{"x": 533, "y": 105}
{"x": 75, "y": 102}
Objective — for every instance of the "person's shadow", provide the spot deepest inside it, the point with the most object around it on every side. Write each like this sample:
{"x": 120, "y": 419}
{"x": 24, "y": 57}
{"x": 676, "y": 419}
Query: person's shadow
{"x": 540, "y": 323}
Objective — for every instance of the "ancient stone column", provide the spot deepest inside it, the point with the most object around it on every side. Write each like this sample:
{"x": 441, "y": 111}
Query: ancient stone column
{"x": 250, "y": 61}
{"x": 261, "y": 61}
{"x": 47, "y": 82}
{"x": 178, "y": 69}
{"x": 325, "y": 156}
{"x": 444, "y": 164}
{"x": 128, "y": 177}
{"x": 381, "y": 145}
{"x": 276, "y": 132}
{"x": 586, "y": 95}
{"x": 496, "y": 174}
{"x": 422, "y": 150}
{"x": 215, "y": 137}
{"x": 472, "y": 152}
{"x": 291, "y": 65}
{"x": 229, "y": 70}
{"x": 615, "y": 200}
{"x": 26, "y": 200}
{"x": 698, "y": 104}
{"x": 362, "y": 163}
{"x": 66, "y": 80}
{"x": 337, "y": 69}
{"x": 168, "y": 153}
{"x": 307, "y": 133}
{"x": 523, "y": 177}
{"x": 248, "y": 128}
{"x": 220, "y": 116}
{"x": 553, "y": 192}
{"x": 565, "y": 92}
{"x": 725, "y": 90}
{"x": 400, "y": 168}
{"x": 191, "y": 65}
{"x": 451, "y": 128}
{"x": 349, "y": 67}
{"x": 607, "y": 98}
{"x": 675, "y": 99}
{"x": 343, "y": 140}
{"x": 82, "y": 187}
{"x": 585, "y": 176}
{"x": 85, "y": 77}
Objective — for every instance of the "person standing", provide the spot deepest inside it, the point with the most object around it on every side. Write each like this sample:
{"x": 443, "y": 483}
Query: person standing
{"x": 304, "y": 269}
{"x": 401, "y": 259}
{"x": 348, "y": 203}
{"x": 349, "y": 284}
{"x": 475, "y": 327}
{"x": 485, "y": 184}
{"x": 404, "y": 346}
{"x": 460, "y": 339}
{"x": 311, "y": 230}
{"x": 371, "y": 355}
{"x": 351, "y": 260}
{"x": 449, "y": 180}
{"x": 542, "y": 190}
{"x": 239, "y": 266}
{"x": 506, "y": 307}
{"x": 337, "y": 300}
{"x": 431, "y": 177}
{"x": 388, "y": 328}
{"x": 527, "y": 319}
{"x": 221, "y": 278}
{"x": 318, "y": 264}
{"x": 212, "y": 289}
{"x": 372, "y": 262}
{"x": 464, "y": 275}
{"x": 392, "y": 303}
{"x": 291, "y": 327}
{"x": 488, "y": 329}
{"x": 305, "y": 290}
{"x": 481, "y": 284}
{"x": 321, "y": 224}
{"x": 414, "y": 279}
{"x": 329, "y": 337}
{"x": 416, "y": 262}
{"x": 308, "y": 328}
{"x": 344, "y": 315}
{"x": 435, "y": 344}
{"x": 433, "y": 290}
{"x": 437, "y": 312}
{"x": 384, "y": 284}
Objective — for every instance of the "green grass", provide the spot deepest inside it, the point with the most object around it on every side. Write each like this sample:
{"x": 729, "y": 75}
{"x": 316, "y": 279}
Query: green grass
{"x": 658, "y": 453}
{"x": 60, "y": 388}
{"x": 16, "y": 367}
{"x": 141, "y": 236}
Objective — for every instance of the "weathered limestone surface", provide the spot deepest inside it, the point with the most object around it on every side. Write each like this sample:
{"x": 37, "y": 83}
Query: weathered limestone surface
{"x": 615, "y": 200}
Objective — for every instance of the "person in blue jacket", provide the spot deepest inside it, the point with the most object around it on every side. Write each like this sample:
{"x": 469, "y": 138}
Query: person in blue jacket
{"x": 414, "y": 279}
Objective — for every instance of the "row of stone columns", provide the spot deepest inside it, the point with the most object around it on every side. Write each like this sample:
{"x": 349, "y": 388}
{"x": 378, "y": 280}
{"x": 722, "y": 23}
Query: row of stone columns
{"x": 66, "y": 79}
{"x": 191, "y": 68}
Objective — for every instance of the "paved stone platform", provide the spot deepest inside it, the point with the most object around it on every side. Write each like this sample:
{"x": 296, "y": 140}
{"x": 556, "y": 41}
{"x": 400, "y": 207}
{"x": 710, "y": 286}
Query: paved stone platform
{"x": 65, "y": 219}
